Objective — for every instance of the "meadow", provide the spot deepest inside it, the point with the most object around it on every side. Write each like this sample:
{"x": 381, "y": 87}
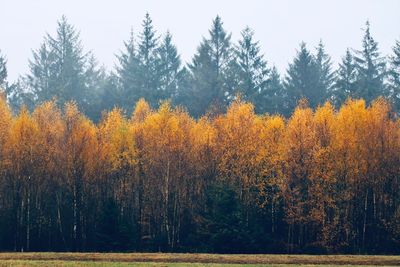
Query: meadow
{"x": 182, "y": 259}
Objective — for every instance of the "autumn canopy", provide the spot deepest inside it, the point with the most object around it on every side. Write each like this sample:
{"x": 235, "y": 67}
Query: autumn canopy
{"x": 321, "y": 180}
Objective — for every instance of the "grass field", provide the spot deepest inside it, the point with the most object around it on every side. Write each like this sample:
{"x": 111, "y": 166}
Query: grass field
{"x": 180, "y": 259}
{"x": 146, "y": 264}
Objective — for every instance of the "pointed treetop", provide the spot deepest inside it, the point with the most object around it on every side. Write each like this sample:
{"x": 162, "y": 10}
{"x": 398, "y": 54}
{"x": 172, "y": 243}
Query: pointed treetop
{"x": 148, "y": 32}
{"x": 3, "y": 70}
{"x": 370, "y": 46}
{"x": 148, "y": 39}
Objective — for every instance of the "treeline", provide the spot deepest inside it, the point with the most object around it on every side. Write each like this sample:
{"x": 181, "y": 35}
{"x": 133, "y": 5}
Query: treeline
{"x": 149, "y": 67}
{"x": 319, "y": 181}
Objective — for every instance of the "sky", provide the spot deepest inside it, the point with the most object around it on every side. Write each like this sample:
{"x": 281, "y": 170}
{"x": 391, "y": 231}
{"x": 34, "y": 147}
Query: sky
{"x": 279, "y": 26}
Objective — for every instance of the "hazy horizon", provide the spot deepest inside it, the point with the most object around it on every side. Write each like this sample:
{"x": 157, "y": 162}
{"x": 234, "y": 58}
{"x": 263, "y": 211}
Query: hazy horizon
{"x": 279, "y": 27}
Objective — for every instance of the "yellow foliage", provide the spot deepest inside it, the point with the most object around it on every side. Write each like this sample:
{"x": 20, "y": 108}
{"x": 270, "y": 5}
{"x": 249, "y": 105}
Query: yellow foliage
{"x": 141, "y": 111}
{"x": 22, "y": 144}
{"x": 116, "y": 140}
{"x": 315, "y": 164}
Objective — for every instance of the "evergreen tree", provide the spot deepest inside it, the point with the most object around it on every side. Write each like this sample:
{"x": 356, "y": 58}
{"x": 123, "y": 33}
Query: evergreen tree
{"x": 302, "y": 81}
{"x": 223, "y": 227}
{"x": 112, "y": 94}
{"x": 169, "y": 68}
{"x": 370, "y": 69}
{"x": 139, "y": 70}
{"x": 17, "y": 93}
{"x": 148, "y": 72}
{"x": 202, "y": 81}
{"x": 183, "y": 95}
{"x": 3, "y": 71}
{"x": 127, "y": 73}
{"x": 252, "y": 70}
{"x": 5, "y": 89}
{"x": 95, "y": 81}
{"x": 272, "y": 101}
{"x": 42, "y": 78}
{"x": 394, "y": 92}
{"x": 324, "y": 71}
{"x": 221, "y": 56}
{"x": 58, "y": 68}
{"x": 69, "y": 63}
{"x": 209, "y": 68}
{"x": 345, "y": 84}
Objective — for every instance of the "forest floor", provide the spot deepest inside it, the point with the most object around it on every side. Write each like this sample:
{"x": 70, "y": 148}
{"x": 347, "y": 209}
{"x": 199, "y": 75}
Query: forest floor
{"x": 183, "y": 259}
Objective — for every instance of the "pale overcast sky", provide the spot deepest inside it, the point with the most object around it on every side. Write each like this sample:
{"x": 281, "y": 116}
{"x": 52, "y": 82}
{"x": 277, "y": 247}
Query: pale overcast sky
{"x": 279, "y": 25}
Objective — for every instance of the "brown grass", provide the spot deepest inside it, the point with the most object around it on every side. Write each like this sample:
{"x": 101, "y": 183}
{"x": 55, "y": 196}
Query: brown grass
{"x": 207, "y": 258}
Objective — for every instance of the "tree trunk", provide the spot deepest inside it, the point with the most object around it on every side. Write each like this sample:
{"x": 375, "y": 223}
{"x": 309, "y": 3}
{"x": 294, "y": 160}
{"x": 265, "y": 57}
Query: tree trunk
{"x": 272, "y": 217}
{"x": 365, "y": 219}
{"x": 28, "y": 215}
{"x": 166, "y": 204}
{"x": 59, "y": 221}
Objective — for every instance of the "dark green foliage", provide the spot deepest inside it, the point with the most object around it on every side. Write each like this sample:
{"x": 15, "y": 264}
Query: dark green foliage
{"x": 345, "y": 85}
{"x": 209, "y": 88}
{"x": 3, "y": 71}
{"x": 324, "y": 72}
{"x": 394, "y": 91}
{"x": 148, "y": 69}
{"x": 112, "y": 94}
{"x": 272, "y": 100}
{"x": 41, "y": 79}
{"x": 228, "y": 226}
{"x": 252, "y": 71}
{"x": 170, "y": 69}
{"x": 147, "y": 76}
{"x": 309, "y": 77}
{"x": 17, "y": 93}
{"x": 302, "y": 80}
{"x": 113, "y": 233}
{"x": 224, "y": 230}
{"x": 203, "y": 81}
{"x": 183, "y": 95}
{"x": 371, "y": 69}
{"x": 61, "y": 70}
{"x": 97, "y": 80}
{"x": 126, "y": 92}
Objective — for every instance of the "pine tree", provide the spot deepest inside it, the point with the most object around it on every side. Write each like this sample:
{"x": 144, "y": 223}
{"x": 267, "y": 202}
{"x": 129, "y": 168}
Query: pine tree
{"x": 202, "y": 80}
{"x": 127, "y": 73}
{"x": 208, "y": 69}
{"x": 148, "y": 73}
{"x": 42, "y": 77}
{"x": 169, "y": 68}
{"x": 5, "y": 89}
{"x": 394, "y": 92}
{"x": 112, "y": 93}
{"x": 69, "y": 64}
{"x": 272, "y": 101}
{"x": 345, "y": 84}
{"x": 221, "y": 55}
{"x": 19, "y": 95}
{"x": 324, "y": 72}
{"x": 302, "y": 80}
{"x": 95, "y": 81}
{"x": 16, "y": 93}
{"x": 58, "y": 68}
{"x": 370, "y": 69}
{"x": 3, "y": 71}
{"x": 148, "y": 69}
{"x": 183, "y": 95}
{"x": 252, "y": 70}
